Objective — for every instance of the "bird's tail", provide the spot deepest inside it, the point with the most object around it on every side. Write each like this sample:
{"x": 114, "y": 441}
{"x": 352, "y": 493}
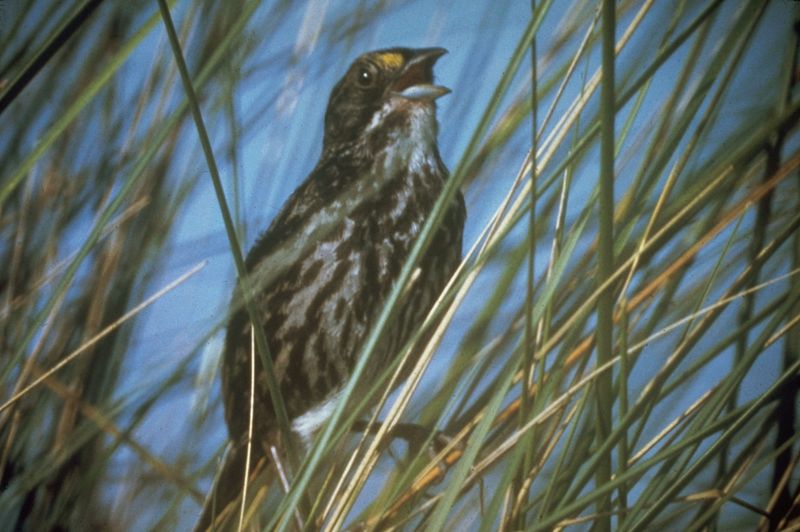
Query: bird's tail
{"x": 222, "y": 506}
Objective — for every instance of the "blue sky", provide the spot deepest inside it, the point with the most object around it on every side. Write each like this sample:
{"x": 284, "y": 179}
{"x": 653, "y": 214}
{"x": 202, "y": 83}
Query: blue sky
{"x": 282, "y": 92}
{"x": 282, "y": 148}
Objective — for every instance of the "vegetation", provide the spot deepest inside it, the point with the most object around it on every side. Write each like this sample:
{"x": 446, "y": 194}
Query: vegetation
{"x": 620, "y": 348}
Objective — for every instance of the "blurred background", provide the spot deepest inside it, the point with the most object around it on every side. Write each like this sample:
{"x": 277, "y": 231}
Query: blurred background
{"x": 106, "y": 198}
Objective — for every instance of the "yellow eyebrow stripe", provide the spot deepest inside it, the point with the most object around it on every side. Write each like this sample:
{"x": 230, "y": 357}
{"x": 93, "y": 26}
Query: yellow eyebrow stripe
{"x": 390, "y": 60}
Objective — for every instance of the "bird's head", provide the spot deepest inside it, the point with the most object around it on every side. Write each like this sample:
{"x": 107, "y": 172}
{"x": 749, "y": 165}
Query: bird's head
{"x": 382, "y": 88}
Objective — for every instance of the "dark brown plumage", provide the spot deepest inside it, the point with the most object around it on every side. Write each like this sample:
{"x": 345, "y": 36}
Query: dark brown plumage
{"x": 330, "y": 258}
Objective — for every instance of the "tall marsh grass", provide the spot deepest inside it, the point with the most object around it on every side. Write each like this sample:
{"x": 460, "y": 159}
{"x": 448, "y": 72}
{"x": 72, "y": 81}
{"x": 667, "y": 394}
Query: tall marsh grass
{"x": 620, "y": 348}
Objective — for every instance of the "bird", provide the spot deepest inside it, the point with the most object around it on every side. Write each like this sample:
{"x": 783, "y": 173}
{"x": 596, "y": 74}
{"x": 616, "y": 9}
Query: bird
{"x": 327, "y": 263}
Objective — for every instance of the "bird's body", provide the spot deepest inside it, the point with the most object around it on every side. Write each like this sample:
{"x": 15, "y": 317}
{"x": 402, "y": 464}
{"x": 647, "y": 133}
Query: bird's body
{"x": 326, "y": 265}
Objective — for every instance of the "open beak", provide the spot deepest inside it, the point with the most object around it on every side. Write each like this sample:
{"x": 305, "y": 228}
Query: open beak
{"x": 415, "y": 81}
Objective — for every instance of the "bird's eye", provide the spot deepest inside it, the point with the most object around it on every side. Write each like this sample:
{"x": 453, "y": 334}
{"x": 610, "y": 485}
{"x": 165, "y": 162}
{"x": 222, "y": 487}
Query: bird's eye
{"x": 365, "y": 77}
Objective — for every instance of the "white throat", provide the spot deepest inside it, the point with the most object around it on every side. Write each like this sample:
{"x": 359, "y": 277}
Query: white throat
{"x": 413, "y": 146}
